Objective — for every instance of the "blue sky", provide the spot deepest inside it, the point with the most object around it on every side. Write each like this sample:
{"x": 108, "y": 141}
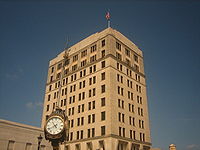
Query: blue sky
{"x": 168, "y": 33}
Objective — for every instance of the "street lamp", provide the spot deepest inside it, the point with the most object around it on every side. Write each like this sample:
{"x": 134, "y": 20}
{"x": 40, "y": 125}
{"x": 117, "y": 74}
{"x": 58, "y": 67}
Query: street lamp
{"x": 39, "y": 141}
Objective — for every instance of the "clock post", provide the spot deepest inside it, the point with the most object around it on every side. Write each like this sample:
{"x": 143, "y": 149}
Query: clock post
{"x": 56, "y": 128}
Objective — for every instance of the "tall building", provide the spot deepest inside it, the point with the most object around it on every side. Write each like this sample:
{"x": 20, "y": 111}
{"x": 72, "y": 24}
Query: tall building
{"x": 103, "y": 92}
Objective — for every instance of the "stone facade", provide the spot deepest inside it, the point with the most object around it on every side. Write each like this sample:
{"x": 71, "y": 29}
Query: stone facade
{"x": 17, "y": 136}
{"x": 103, "y": 93}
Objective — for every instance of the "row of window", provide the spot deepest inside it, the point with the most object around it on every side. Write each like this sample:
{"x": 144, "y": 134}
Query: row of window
{"x": 92, "y": 69}
{"x": 91, "y": 105}
{"x": 128, "y": 72}
{"x": 90, "y": 133}
{"x": 75, "y": 66}
{"x": 132, "y": 134}
{"x": 75, "y": 57}
{"x": 82, "y": 84}
{"x": 127, "y": 51}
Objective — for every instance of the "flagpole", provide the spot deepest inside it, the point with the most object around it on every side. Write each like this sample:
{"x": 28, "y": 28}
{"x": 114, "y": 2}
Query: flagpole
{"x": 108, "y": 23}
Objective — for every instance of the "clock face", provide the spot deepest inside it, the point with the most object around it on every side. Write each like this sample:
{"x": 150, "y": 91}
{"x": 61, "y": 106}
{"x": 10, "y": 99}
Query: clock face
{"x": 54, "y": 125}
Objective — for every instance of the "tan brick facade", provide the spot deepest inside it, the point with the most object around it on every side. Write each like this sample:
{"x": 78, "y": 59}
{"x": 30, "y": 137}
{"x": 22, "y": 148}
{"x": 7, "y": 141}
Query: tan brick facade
{"x": 103, "y": 92}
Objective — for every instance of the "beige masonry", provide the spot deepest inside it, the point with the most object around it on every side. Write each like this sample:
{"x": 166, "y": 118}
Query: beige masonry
{"x": 17, "y": 136}
{"x": 105, "y": 97}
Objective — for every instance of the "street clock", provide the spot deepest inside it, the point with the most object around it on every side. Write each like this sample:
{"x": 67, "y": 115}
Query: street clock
{"x": 56, "y": 128}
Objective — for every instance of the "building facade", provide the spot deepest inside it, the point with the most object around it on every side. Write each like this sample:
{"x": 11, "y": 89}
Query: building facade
{"x": 17, "y": 136}
{"x": 101, "y": 86}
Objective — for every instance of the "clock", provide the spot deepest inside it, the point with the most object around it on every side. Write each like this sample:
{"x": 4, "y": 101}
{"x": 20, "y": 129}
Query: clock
{"x": 54, "y": 125}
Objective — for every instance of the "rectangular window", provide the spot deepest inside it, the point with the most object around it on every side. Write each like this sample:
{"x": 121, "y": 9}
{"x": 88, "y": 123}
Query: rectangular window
{"x": 103, "y": 116}
{"x": 103, "y": 88}
{"x": 103, "y": 76}
{"x": 93, "y": 118}
{"x": 93, "y": 132}
{"x": 52, "y": 69}
{"x": 93, "y": 58}
{"x": 103, "y": 53}
{"x": 103, "y": 130}
{"x": 59, "y": 66}
{"x": 103, "y": 64}
{"x": 119, "y": 56}
{"x": 103, "y": 43}
{"x": 74, "y": 67}
{"x": 118, "y": 46}
{"x": 93, "y": 48}
{"x": 83, "y": 53}
{"x": 88, "y": 133}
{"x": 127, "y": 52}
{"x": 75, "y": 58}
{"x": 136, "y": 58}
{"x": 103, "y": 101}
{"x": 49, "y": 97}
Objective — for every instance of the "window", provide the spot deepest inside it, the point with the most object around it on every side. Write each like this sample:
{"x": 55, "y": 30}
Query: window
{"x": 50, "y": 87}
{"x": 103, "y": 76}
{"x": 124, "y": 132}
{"x": 59, "y": 66}
{"x": 81, "y": 134}
{"x": 128, "y": 62}
{"x": 93, "y": 118}
{"x": 93, "y": 132}
{"x": 88, "y": 133}
{"x": 127, "y": 52}
{"x": 136, "y": 58}
{"x": 83, "y": 53}
{"x": 75, "y": 58}
{"x": 51, "y": 78}
{"x": 66, "y": 71}
{"x": 119, "y": 56}
{"x": 77, "y": 146}
{"x": 83, "y": 63}
{"x": 93, "y": 69}
{"x": 103, "y": 101}
{"x": 58, "y": 75}
{"x": 118, "y": 46}
{"x": 52, "y": 69}
{"x": 103, "y": 43}
{"x": 103, "y": 53}
{"x": 47, "y": 107}
{"x": 93, "y": 48}
{"x": 74, "y": 67}
{"x": 89, "y": 146}
{"x": 93, "y": 58}
{"x": 49, "y": 97}
{"x": 103, "y": 116}
{"x": 103, "y": 89}
{"x": 103, "y": 130}
{"x": 120, "y": 131}
{"x": 11, "y": 145}
{"x": 66, "y": 62}
{"x": 103, "y": 64}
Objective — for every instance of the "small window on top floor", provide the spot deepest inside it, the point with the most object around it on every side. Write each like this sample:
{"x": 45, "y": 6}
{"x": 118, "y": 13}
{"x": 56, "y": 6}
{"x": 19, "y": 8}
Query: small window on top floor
{"x": 103, "y": 43}
{"x": 75, "y": 57}
{"x": 118, "y": 46}
{"x": 59, "y": 66}
{"x": 52, "y": 69}
{"x": 136, "y": 58}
